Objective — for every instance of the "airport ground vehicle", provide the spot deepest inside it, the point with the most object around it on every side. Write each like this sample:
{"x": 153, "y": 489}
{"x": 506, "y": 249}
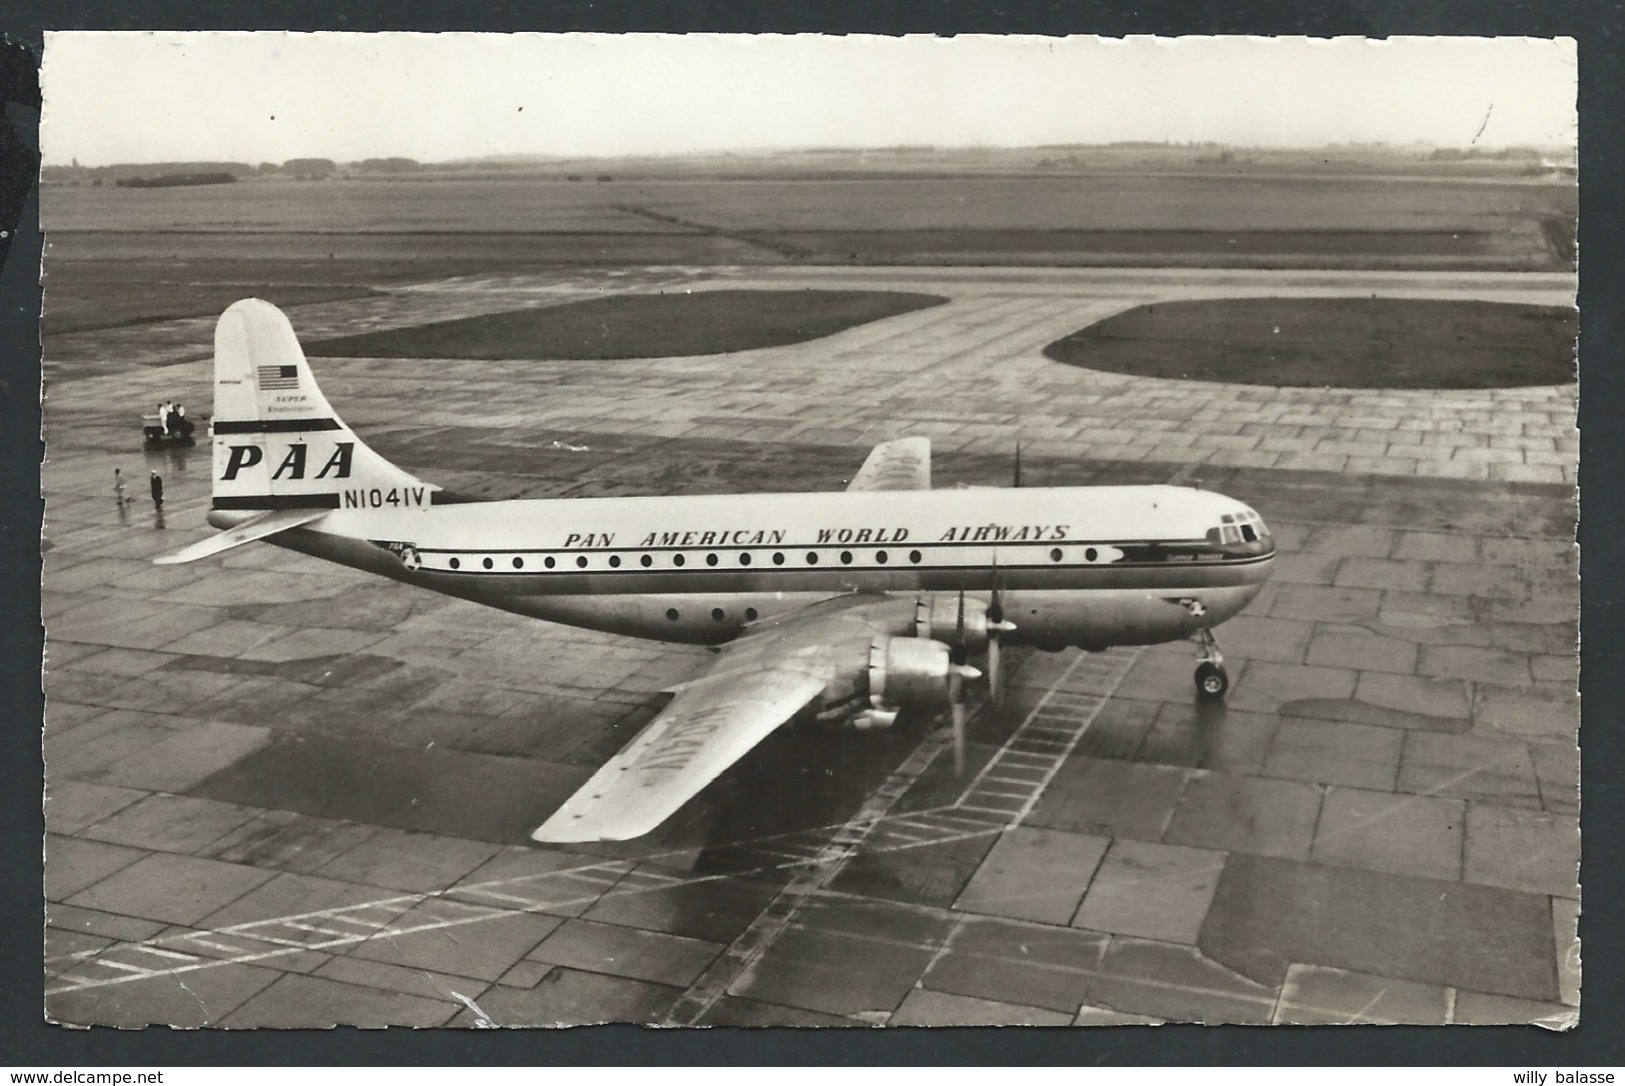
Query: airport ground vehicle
{"x": 155, "y": 435}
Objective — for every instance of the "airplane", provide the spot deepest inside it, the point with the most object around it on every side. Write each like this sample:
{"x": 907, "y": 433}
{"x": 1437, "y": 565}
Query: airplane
{"x": 843, "y": 607}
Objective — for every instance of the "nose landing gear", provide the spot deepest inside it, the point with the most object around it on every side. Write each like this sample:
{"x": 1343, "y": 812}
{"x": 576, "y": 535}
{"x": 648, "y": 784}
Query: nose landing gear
{"x": 1212, "y": 681}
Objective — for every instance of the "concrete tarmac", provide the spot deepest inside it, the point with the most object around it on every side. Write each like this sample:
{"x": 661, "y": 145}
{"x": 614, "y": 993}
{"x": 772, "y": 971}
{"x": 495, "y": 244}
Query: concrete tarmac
{"x": 283, "y": 794}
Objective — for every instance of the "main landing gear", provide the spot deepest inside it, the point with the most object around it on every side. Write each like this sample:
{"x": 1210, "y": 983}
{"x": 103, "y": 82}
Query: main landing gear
{"x": 1212, "y": 681}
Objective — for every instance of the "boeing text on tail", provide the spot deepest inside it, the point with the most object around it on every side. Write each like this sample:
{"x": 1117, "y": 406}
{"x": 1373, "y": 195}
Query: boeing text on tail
{"x": 845, "y": 606}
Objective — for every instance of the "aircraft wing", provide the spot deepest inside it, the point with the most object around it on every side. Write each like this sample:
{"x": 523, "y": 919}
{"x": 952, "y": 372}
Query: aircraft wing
{"x": 757, "y": 684}
{"x": 904, "y": 464}
{"x": 277, "y": 520}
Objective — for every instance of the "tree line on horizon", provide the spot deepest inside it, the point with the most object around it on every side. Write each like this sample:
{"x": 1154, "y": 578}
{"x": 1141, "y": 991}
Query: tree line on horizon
{"x": 1044, "y": 158}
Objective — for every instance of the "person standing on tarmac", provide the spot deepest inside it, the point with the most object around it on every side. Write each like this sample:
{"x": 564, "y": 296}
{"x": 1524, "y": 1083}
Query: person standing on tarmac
{"x": 157, "y": 482}
{"x": 118, "y": 488}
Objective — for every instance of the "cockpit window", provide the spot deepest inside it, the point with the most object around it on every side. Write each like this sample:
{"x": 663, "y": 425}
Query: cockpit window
{"x": 1243, "y": 527}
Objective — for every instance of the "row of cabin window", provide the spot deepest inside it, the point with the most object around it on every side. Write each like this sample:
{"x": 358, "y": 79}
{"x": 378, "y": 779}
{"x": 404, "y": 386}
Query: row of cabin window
{"x": 744, "y": 559}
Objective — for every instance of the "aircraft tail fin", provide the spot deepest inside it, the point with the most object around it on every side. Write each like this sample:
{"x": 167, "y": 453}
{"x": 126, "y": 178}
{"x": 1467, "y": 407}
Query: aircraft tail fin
{"x": 278, "y": 443}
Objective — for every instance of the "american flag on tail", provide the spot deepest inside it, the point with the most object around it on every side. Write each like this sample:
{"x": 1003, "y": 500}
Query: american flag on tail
{"x": 272, "y": 378}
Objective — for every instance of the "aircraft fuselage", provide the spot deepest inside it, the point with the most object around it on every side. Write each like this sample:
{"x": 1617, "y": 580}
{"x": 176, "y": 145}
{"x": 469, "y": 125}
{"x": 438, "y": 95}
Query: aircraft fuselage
{"x": 1087, "y": 566}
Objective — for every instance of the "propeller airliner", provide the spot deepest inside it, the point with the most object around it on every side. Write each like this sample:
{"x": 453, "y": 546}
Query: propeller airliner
{"x": 844, "y": 607}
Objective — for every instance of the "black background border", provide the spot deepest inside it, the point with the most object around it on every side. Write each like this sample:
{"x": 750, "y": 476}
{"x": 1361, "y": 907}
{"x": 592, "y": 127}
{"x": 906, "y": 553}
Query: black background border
{"x": 1599, "y": 27}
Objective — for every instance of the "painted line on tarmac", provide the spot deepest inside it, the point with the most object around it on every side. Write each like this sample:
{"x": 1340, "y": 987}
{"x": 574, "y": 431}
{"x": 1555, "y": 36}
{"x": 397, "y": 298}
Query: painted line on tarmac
{"x": 1088, "y": 681}
{"x": 819, "y": 855}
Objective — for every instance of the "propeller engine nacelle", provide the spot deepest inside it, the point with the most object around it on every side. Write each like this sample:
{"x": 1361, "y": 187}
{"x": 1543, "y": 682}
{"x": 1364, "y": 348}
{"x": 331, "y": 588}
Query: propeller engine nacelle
{"x": 954, "y": 619}
{"x": 909, "y": 671}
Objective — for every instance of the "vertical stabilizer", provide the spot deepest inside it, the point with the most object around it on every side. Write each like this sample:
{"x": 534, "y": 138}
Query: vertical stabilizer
{"x": 278, "y": 443}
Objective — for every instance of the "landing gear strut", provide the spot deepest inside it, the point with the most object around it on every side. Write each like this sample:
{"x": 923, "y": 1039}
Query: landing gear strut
{"x": 1212, "y": 681}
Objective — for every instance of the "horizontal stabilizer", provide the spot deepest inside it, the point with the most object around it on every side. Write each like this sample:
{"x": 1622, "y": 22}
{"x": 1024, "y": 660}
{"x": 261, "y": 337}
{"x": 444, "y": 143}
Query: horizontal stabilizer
{"x": 278, "y": 520}
{"x": 904, "y": 464}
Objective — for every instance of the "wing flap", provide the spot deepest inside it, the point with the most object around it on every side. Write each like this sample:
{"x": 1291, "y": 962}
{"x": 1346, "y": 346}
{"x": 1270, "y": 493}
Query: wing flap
{"x": 270, "y": 523}
{"x": 904, "y": 464}
{"x": 710, "y": 725}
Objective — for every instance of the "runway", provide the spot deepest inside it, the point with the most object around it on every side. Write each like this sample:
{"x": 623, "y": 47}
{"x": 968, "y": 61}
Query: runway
{"x": 283, "y": 794}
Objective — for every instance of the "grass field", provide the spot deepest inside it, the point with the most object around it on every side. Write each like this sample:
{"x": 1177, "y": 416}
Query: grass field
{"x": 118, "y": 256}
{"x": 1031, "y": 203}
{"x": 1335, "y": 342}
{"x": 637, "y": 326}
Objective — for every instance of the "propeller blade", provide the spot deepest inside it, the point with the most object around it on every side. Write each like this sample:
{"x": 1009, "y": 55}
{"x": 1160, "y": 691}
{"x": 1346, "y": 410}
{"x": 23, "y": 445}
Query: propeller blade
{"x": 959, "y": 627}
{"x": 959, "y": 738}
{"x": 995, "y": 626}
{"x": 956, "y": 699}
{"x": 1018, "y": 465}
{"x": 995, "y": 670}
{"x": 995, "y": 608}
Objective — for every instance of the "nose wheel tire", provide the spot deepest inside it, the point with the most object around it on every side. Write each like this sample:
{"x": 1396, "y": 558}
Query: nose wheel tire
{"x": 1212, "y": 682}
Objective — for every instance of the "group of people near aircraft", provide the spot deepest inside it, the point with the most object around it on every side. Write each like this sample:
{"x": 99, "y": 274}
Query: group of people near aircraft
{"x": 172, "y": 417}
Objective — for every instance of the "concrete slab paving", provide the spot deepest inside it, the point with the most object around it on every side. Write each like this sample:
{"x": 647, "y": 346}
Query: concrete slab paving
{"x": 1478, "y": 767}
{"x": 1108, "y": 798}
{"x": 1335, "y": 753}
{"x": 1557, "y": 767}
{"x": 714, "y": 911}
{"x": 834, "y": 972}
{"x": 203, "y": 997}
{"x": 408, "y": 861}
{"x": 416, "y": 982}
{"x": 626, "y": 952}
{"x": 1418, "y": 696}
{"x": 1102, "y": 1016}
{"x": 1565, "y": 932}
{"x": 1481, "y": 1009}
{"x": 74, "y": 863}
{"x": 183, "y": 760}
{"x": 113, "y": 926}
{"x": 569, "y": 997}
{"x": 939, "y": 875}
{"x": 1177, "y": 984}
{"x": 1226, "y": 812}
{"x": 1206, "y": 736}
{"x": 1528, "y": 712}
{"x": 289, "y": 894}
{"x": 72, "y": 805}
{"x": 456, "y": 940}
{"x": 1385, "y": 573}
{"x": 1034, "y": 874}
{"x": 1269, "y": 913}
{"x": 1004, "y": 961}
{"x": 1522, "y": 850}
{"x": 94, "y": 749}
{"x": 174, "y": 889}
{"x": 1318, "y": 603}
{"x": 1265, "y": 686}
{"x": 923, "y": 1007}
{"x": 1352, "y": 646}
{"x": 107, "y": 622}
{"x": 751, "y": 1014}
{"x": 286, "y": 841}
{"x": 1282, "y": 640}
{"x": 179, "y": 824}
{"x": 1400, "y": 606}
{"x": 1382, "y": 831}
{"x": 295, "y": 1002}
{"x": 1314, "y": 995}
{"x": 1475, "y": 664}
{"x": 1153, "y": 891}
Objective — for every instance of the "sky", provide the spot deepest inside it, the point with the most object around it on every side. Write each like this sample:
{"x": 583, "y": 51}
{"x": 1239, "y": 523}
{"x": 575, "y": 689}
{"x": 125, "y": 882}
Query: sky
{"x": 270, "y": 96}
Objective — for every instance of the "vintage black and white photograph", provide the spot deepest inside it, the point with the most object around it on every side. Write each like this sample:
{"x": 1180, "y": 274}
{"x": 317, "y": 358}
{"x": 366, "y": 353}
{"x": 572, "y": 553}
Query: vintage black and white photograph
{"x": 809, "y": 531}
